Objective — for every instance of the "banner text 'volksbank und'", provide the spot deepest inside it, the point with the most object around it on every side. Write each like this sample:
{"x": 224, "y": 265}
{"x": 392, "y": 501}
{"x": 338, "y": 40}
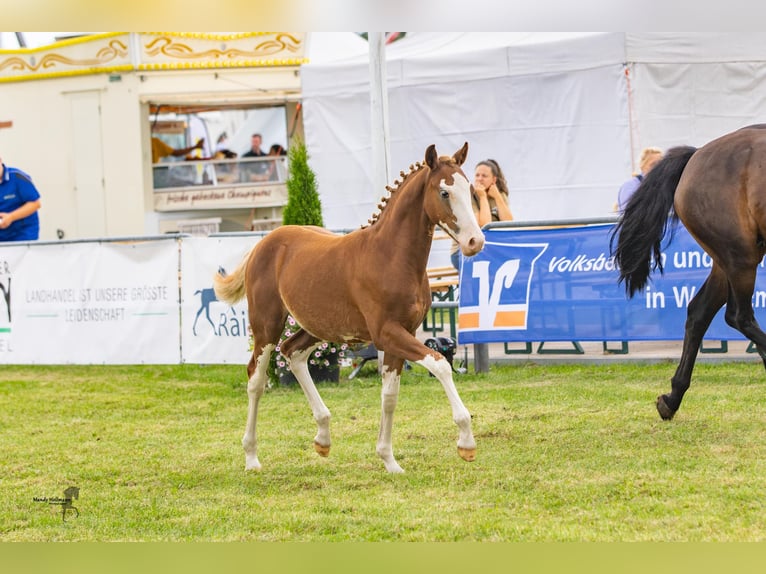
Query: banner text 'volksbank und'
{"x": 560, "y": 284}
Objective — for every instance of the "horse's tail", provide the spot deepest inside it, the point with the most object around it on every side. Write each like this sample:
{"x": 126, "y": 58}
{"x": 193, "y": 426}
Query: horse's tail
{"x": 231, "y": 288}
{"x": 644, "y": 222}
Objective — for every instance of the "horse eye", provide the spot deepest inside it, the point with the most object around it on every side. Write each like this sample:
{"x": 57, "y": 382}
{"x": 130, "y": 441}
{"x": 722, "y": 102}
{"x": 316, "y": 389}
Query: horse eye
{"x": 444, "y": 193}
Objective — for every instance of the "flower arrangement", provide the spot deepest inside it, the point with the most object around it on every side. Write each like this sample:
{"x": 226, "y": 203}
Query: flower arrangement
{"x": 326, "y": 355}
{"x": 324, "y": 362}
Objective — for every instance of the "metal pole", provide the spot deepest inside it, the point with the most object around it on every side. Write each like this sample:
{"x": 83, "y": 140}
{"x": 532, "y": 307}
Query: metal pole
{"x": 379, "y": 113}
{"x": 379, "y": 121}
{"x": 481, "y": 357}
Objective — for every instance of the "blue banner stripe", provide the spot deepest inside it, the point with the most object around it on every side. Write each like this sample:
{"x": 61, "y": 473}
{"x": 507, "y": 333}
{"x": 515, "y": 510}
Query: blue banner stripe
{"x": 560, "y": 284}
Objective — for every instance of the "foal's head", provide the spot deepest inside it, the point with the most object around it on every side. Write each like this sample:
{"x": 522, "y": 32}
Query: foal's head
{"x": 448, "y": 200}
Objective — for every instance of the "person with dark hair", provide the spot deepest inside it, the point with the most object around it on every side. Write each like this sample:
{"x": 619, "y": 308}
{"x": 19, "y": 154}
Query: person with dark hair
{"x": 256, "y": 170}
{"x": 19, "y": 204}
{"x": 490, "y": 199}
{"x": 255, "y": 147}
{"x": 489, "y": 184}
{"x": 274, "y": 171}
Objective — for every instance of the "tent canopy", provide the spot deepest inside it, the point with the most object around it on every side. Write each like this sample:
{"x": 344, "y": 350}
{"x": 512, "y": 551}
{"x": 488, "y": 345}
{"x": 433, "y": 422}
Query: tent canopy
{"x": 537, "y": 103}
{"x": 564, "y": 114}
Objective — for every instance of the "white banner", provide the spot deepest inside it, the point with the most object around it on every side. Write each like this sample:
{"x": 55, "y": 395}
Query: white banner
{"x": 212, "y": 331}
{"x": 11, "y": 257}
{"x": 90, "y": 303}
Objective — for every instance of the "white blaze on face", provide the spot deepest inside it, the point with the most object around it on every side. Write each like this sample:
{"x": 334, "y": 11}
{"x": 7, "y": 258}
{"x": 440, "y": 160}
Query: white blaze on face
{"x": 466, "y": 230}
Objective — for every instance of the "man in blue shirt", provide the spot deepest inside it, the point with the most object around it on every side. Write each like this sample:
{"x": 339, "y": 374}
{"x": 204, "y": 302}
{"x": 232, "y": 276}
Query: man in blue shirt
{"x": 19, "y": 202}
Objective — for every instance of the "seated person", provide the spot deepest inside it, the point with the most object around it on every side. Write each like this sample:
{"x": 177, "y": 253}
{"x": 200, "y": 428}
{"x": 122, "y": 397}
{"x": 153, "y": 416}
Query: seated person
{"x": 273, "y": 171}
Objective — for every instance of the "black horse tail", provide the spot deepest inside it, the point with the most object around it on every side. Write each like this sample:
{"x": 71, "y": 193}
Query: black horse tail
{"x": 644, "y": 222}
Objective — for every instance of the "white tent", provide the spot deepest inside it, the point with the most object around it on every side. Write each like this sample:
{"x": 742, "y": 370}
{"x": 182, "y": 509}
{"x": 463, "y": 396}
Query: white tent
{"x": 565, "y": 114}
{"x": 691, "y": 88}
{"x": 537, "y": 103}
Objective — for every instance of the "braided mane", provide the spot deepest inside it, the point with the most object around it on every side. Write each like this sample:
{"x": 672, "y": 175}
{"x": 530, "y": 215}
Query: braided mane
{"x": 414, "y": 168}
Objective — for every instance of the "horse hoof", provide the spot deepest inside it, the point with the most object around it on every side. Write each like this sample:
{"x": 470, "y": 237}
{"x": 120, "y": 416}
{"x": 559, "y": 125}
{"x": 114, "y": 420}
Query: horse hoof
{"x": 662, "y": 407}
{"x": 322, "y": 450}
{"x": 467, "y": 454}
{"x": 252, "y": 464}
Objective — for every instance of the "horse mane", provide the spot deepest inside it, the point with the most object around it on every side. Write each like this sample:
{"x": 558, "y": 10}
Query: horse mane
{"x": 384, "y": 201}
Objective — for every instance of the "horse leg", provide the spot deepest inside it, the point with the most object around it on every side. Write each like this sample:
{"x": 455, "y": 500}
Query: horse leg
{"x": 702, "y": 309}
{"x": 442, "y": 370}
{"x": 392, "y": 372}
{"x": 258, "y": 376}
{"x": 297, "y": 349}
{"x": 739, "y": 311}
{"x": 399, "y": 342}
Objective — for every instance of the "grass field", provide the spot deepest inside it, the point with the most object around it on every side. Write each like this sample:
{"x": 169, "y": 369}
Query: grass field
{"x": 565, "y": 453}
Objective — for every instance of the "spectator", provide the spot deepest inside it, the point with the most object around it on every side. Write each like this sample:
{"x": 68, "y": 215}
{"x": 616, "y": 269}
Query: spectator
{"x": 222, "y": 143}
{"x": 256, "y": 170}
{"x": 160, "y": 149}
{"x": 255, "y": 147}
{"x": 19, "y": 203}
{"x": 490, "y": 199}
{"x": 649, "y": 158}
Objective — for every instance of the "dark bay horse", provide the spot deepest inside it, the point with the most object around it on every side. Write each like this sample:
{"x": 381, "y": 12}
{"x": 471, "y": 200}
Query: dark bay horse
{"x": 719, "y": 193}
{"x": 367, "y": 286}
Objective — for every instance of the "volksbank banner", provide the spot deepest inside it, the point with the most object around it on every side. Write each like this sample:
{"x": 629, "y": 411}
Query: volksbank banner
{"x": 560, "y": 284}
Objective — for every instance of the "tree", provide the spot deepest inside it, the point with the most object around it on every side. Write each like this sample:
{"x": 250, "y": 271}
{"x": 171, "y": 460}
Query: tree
{"x": 303, "y": 204}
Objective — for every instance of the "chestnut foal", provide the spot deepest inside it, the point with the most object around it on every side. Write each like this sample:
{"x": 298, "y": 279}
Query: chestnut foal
{"x": 367, "y": 286}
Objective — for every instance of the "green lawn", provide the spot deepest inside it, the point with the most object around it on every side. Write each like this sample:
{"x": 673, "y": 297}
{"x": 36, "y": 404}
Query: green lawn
{"x": 565, "y": 453}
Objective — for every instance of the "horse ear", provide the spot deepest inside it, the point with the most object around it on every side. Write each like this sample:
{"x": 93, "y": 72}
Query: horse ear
{"x": 461, "y": 154}
{"x": 431, "y": 156}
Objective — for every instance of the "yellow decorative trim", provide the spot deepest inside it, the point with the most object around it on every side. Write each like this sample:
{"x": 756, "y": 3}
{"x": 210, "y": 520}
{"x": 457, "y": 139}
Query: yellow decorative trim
{"x": 115, "y": 49}
{"x": 166, "y": 46}
{"x": 225, "y": 64}
{"x": 209, "y": 36}
{"x": 114, "y": 52}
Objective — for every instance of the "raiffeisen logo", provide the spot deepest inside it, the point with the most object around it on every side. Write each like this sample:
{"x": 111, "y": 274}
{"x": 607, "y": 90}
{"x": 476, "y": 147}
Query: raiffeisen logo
{"x": 494, "y": 294}
{"x": 222, "y": 319}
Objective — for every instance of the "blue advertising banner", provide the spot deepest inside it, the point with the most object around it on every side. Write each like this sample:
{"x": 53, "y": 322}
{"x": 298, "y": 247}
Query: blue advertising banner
{"x": 560, "y": 284}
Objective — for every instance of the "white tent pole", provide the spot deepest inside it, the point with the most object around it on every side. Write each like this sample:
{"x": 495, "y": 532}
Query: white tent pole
{"x": 379, "y": 122}
{"x": 379, "y": 117}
